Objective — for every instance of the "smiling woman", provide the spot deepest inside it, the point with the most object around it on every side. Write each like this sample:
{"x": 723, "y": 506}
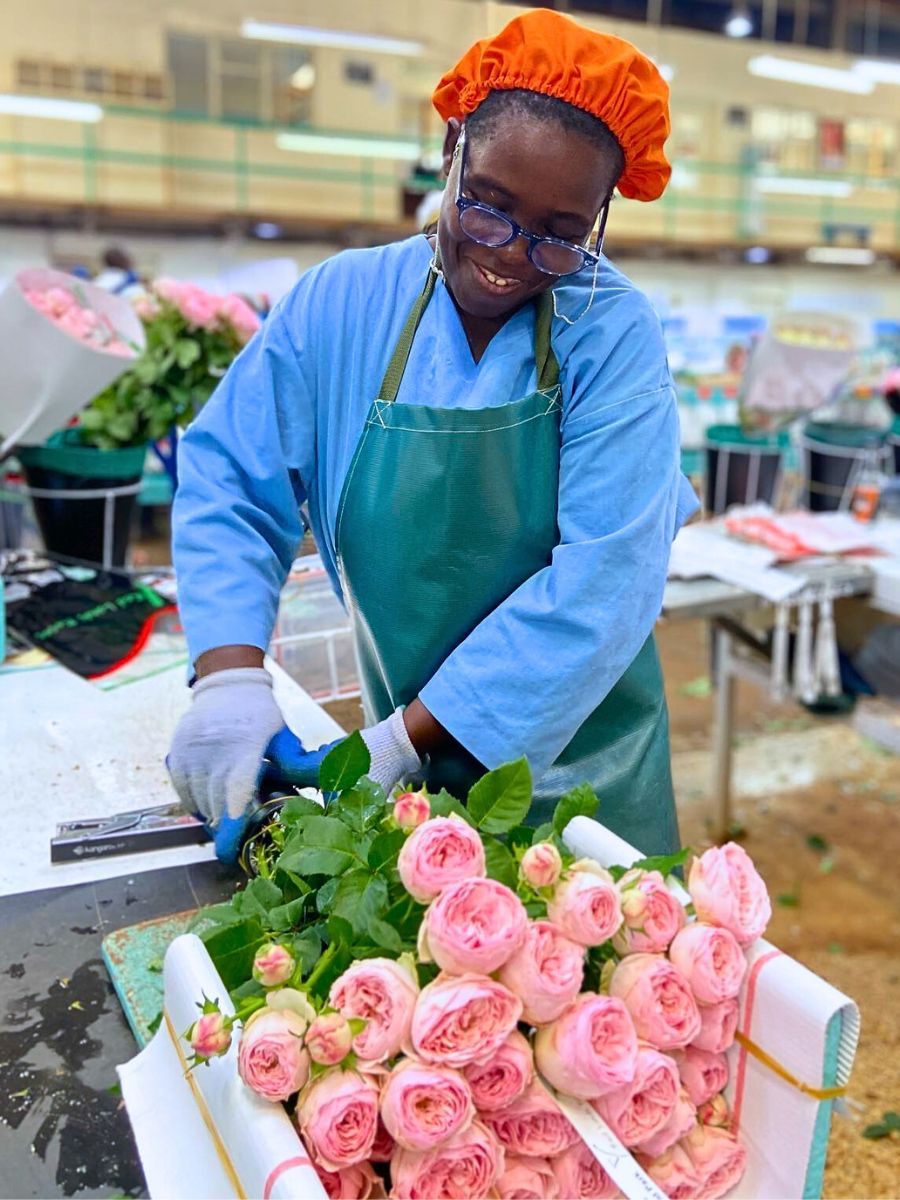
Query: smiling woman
{"x": 484, "y": 430}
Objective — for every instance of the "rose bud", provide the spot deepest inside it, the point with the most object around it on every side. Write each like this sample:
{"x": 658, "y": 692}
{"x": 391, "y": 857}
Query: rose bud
{"x": 210, "y": 1035}
{"x": 541, "y": 865}
{"x": 273, "y": 965}
{"x": 329, "y": 1039}
{"x": 411, "y": 809}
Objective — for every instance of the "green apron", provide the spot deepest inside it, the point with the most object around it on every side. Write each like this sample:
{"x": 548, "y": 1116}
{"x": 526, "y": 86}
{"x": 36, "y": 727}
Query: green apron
{"x": 444, "y": 513}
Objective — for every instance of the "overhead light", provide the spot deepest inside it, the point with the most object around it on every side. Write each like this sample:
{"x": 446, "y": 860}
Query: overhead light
{"x": 667, "y": 71}
{"x": 53, "y": 110}
{"x": 878, "y": 70}
{"x": 349, "y": 147}
{"x": 795, "y": 70}
{"x": 757, "y": 255}
{"x": 739, "y": 23}
{"x": 843, "y": 256}
{"x": 781, "y": 185}
{"x": 337, "y": 39}
{"x": 303, "y": 78}
{"x": 267, "y": 230}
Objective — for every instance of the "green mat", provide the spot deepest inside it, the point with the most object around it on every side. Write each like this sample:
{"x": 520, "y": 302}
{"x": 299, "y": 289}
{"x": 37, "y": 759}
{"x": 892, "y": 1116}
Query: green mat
{"x": 133, "y": 958}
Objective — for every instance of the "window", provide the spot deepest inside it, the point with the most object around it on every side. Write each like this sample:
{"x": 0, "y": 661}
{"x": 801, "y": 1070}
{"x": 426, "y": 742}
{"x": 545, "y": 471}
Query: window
{"x": 240, "y": 79}
{"x": 293, "y": 77}
{"x": 189, "y": 68}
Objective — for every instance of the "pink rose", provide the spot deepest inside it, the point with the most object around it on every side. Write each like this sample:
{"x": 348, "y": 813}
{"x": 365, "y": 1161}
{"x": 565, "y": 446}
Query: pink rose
{"x": 527, "y": 1179}
{"x": 384, "y": 1145}
{"x": 199, "y": 308}
{"x": 541, "y": 865}
{"x": 547, "y": 971}
{"x": 338, "y": 1116}
{"x": 463, "y": 1019}
{"x": 533, "y": 1125}
{"x": 238, "y": 313}
{"x": 590, "y": 1049}
{"x": 727, "y": 891}
{"x": 579, "y": 1175}
{"x": 503, "y": 1077}
{"x": 465, "y": 1168}
{"x": 443, "y": 850}
{"x": 146, "y": 307}
{"x": 718, "y": 1159}
{"x": 710, "y": 960}
{"x": 715, "y": 1112}
{"x": 168, "y": 289}
{"x": 638, "y": 1110}
{"x": 329, "y": 1039}
{"x": 652, "y": 915}
{"x": 271, "y": 1058}
{"x": 658, "y": 998}
{"x": 718, "y": 1025}
{"x": 412, "y": 809}
{"x": 474, "y": 925}
{"x": 383, "y": 993}
{"x": 210, "y": 1035}
{"x": 358, "y": 1182}
{"x": 423, "y": 1105}
{"x": 703, "y": 1074}
{"x": 585, "y": 904}
{"x": 674, "y": 1173}
{"x": 682, "y": 1120}
{"x": 273, "y": 965}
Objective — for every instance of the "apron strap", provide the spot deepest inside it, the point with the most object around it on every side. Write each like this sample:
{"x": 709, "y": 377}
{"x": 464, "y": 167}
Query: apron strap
{"x": 545, "y": 359}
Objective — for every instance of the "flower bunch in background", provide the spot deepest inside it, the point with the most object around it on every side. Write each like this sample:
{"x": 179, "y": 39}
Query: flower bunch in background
{"x": 419, "y": 980}
{"x": 192, "y": 339}
{"x": 70, "y": 310}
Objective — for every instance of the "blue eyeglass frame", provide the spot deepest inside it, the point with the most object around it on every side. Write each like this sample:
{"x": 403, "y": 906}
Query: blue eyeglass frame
{"x": 589, "y": 258}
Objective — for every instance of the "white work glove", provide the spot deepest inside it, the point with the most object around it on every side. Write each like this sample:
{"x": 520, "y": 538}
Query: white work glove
{"x": 218, "y": 747}
{"x": 394, "y": 757}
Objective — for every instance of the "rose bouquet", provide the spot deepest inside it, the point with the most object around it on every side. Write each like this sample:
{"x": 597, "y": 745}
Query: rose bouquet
{"x": 440, "y": 994}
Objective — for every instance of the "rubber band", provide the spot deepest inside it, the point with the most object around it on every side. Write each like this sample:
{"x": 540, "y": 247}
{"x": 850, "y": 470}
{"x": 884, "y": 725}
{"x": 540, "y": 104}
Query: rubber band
{"x": 827, "y": 1093}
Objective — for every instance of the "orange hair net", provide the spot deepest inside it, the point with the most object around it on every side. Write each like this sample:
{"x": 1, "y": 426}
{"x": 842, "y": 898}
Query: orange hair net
{"x": 544, "y": 51}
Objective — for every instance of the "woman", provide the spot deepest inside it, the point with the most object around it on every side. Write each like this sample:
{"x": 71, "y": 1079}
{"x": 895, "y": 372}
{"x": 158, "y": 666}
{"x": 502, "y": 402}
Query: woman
{"x": 497, "y": 514}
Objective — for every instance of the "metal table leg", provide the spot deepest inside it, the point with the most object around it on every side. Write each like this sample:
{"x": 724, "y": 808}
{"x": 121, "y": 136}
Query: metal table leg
{"x": 723, "y": 730}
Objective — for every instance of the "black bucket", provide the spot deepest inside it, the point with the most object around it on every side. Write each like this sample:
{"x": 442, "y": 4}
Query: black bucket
{"x": 834, "y": 455}
{"x": 894, "y": 443}
{"x": 742, "y": 468}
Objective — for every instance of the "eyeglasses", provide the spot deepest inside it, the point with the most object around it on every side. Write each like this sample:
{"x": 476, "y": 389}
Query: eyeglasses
{"x": 488, "y": 226}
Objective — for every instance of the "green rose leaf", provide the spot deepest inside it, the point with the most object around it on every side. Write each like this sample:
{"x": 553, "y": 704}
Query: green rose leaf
{"x": 384, "y": 935}
{"x": 501, "y": 799}
{"x": 385, "y": 849}
{"x": 664, "y": 863}
{"x": 233, "y": 948}
{"x": 297, "y": 807}
{"x": 359, "y": 895}
{"x": 286, "y": 916}
{"x": 328, "y": 847}
{"x": 443, "y": 804}
{"x": 359, "y": 807}
{"x": 580, "y": 802}
{"x": 345, "y": 765}
{"x": 500, "y": 863}
{"x": 307, "y": 949}
{"x": 187, "y": 351}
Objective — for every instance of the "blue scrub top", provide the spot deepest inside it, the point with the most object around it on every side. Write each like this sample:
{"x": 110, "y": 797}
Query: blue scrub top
{"x": 281, "y": 429}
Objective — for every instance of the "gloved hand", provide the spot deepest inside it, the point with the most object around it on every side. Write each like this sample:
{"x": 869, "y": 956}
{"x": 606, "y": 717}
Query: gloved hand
{"x": 217, "y": 752}
{"x": 393, "y": 755}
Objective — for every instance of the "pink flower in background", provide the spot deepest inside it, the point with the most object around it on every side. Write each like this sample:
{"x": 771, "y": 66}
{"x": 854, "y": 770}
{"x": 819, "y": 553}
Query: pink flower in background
{"x": 717, "y": 1158}
{"x": 423, "y": 1105}
{"x": 674, "y": 1173}
{"x": 443, "y": 850}
{"x": 411, "y": 809}
{"x": 329, "y": 1039}
{"x": 711, "y": 961}
{"x": 727, "y": 891}
{"x": 199, "y": 308}
{"x": 463, "y": 1019}
{"x": 501, "y": 1079}
{"x": 338, "y": 1115}
{"x": 652, "y": 915}
{"x": 578, "y": 1174}
{"x": 541, "y": 865}
{"x": 358, "y": 1182}
{"x": 715, "y": 1112}
{"x": 585, "y": 904}
{"x": 475, "y": 925}
{"x": 590, "y": 1049}
{"x": 546, "y": 970}
{"x": 210, "y": 1035}
{"x": 681, "y": 1121}
{"x": 146, "y": 307}
{"x": 638, "y": 1110}
{"x": 236, "y": 311}
{"x": 532, "y": 1125}
{"x": 527, "y": 1179}
{"x": 273, "y": 964}
{"x": 271, "y": 1058}
{"x": 383, "y": 993}
{"x": 703, "y": 1074}
{"x": 718, "y": 1025}
{"x": 168, "y": 289}
{"x": 658, "y": 998}
{"x": 465, "y": 1168}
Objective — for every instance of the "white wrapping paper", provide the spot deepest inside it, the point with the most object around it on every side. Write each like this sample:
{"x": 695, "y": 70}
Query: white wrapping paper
{"x": 48, "y": 375}
{"x": 205, "y": 1135}
{"x": 804, "y": 1024}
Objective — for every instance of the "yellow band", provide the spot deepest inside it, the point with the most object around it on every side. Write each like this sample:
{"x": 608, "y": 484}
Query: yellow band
{"x": 829, "y": 1093}
{"x": 219, "y": 1145}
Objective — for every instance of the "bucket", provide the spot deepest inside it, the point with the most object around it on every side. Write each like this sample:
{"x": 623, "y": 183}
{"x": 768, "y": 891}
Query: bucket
{"x": 742, "y": 468}
{"x": 834, "y": 455}
{"x": 893, "y": 440}
{"x": 83, "y": 497}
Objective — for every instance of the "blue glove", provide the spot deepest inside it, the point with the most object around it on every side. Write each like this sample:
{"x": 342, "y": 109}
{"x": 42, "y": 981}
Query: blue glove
{"x": 289, "y": 764}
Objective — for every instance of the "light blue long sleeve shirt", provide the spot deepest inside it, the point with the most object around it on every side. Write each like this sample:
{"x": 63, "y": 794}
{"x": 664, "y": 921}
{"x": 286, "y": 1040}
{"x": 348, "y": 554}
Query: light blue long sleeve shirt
{"x": 281, "y": 429}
